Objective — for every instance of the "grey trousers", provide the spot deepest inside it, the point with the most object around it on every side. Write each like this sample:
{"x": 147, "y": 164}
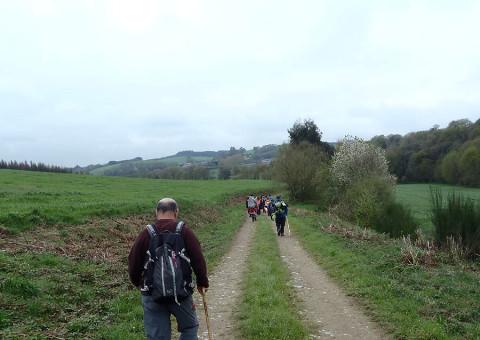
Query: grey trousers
{"x": 156, "y": 319}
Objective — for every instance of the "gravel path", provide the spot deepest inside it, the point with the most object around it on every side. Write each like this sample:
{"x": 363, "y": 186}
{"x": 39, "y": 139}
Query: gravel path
{"x": 225, "y": 288}
{"x": 331, "y": 313}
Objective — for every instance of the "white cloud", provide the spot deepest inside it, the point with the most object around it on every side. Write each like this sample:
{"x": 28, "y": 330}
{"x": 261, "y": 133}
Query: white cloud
{"x": 92, "y": 81}
{"x": 43, "y": 7}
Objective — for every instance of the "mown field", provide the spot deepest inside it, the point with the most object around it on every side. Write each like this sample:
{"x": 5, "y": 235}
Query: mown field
{"x": 31, "y": 198}
{"x": 417, "y": 198}
{"x": 65, "y": 240}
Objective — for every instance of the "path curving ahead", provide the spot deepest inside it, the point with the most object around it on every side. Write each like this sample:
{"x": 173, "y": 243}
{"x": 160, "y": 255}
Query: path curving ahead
{"x": 324, "y": 306}
{"x": 224, "y": 293}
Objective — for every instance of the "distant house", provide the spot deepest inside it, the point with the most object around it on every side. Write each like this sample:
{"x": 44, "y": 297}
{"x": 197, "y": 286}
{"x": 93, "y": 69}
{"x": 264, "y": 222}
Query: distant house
{"x": 267, "y": 161}
{"x": 187, "y": 165}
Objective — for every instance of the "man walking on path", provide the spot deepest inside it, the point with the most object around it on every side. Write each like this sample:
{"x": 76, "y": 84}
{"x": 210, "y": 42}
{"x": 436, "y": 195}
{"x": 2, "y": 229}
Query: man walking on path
{"x": 281, "y": 212}
{"x": 158, "y": 305}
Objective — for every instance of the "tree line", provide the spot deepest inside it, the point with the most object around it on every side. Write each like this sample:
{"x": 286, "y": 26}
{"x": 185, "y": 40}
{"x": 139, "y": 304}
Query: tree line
{"x": 450, "y": 155}
{"x": 355, "y": 183}
{"x": 32, "y": 166}
{"x": 351, "y": 181}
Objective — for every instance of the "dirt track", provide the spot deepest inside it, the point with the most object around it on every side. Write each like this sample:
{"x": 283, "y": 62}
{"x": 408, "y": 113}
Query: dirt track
{"x": 324, "y": 307}
{"x": 328, "y": 312}
{"x": 225, "y": 288}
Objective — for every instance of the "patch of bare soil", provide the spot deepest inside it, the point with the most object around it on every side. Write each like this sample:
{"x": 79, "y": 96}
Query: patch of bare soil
{"x": 324, "y": 306}
{"x": 225, "y": 288}
{"x": 100, "y": 240}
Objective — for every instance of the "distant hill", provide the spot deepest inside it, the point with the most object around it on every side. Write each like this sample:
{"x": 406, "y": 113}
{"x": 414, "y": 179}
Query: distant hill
{"x": 208, "y": 161}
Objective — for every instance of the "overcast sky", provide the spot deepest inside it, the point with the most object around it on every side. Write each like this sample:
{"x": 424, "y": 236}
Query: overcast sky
{"x": 90, "y": 81}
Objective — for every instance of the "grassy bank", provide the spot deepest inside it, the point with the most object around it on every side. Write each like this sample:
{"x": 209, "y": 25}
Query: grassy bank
{"x": 415, "y": 302}
{"x": 32, "y": 198}
{"x": 266, "y": 311}
{"x": 71, "y": 281}
{"x": 417, "y": 198}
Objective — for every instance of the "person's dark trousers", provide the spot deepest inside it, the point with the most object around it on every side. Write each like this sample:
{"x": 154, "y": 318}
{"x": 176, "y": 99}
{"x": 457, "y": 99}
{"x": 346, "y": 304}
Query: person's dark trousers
{"x": 156, "y": 319}
{"x": 280, "y": 222}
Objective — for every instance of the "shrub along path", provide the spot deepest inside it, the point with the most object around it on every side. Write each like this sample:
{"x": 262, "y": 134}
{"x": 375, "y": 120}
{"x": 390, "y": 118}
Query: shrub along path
{"x": 327, "y": 310}
{"x": 225, "y": 287}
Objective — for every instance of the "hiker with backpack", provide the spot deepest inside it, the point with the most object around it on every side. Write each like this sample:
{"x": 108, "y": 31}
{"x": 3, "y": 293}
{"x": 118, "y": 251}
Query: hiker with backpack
{"x": 252, "y": 207}
{"x": 281, "y": 213}
{"x": 271, "y": 209}
{"x": 160, "y": 264}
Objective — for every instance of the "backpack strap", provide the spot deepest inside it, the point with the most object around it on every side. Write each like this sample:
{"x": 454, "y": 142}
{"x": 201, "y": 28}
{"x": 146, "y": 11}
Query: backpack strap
{"x": 178, "y": 229}
{"x": 152, "y": 231}
{"x": 148, "y": 274}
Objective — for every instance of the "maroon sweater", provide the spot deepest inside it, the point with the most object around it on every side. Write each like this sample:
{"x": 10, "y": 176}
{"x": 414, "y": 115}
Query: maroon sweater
{"x": 137, "y": 257}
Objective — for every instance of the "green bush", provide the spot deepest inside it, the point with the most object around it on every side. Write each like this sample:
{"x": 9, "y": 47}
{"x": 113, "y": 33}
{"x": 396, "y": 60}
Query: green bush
{"x": 361, "y": 201}
{"x": 395, "y": 219}
{"x": 456, "y": 217}
{"x": 325, "y": 191}
{"x": 299, "y": 167}
{"x": 370, "y": 203}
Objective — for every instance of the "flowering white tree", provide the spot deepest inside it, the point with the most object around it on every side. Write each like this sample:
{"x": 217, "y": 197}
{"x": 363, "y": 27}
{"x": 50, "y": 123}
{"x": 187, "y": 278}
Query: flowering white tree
{"x": 356, "y": 159}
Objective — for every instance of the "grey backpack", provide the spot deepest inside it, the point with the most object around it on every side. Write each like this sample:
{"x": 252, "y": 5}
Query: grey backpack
{"x": 167, "y": 272}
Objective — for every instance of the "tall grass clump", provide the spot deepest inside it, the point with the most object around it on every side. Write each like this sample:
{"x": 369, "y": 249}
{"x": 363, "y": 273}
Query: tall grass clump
{"x": 456, "y": 220}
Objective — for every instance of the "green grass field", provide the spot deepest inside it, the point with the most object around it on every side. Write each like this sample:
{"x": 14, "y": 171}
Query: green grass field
{"x": 33, "y": 198}
{"x": 440, "y": 301}
{"x": 417, "y": 197}
{"x": 65, "y": 239}
{"x": 66, "y": 278}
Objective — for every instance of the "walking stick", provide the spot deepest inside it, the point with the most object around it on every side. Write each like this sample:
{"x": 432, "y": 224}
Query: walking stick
{"x": 288, "y": 228}
{"x": 205, "y": 308}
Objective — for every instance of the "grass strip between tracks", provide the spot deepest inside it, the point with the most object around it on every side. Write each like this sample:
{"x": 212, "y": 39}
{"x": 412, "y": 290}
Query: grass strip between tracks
{"x": 267, "y": 310}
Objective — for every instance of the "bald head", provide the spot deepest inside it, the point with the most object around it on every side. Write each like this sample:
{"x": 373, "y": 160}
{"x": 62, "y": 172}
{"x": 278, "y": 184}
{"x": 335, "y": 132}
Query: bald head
{"x": 167, "y": 208}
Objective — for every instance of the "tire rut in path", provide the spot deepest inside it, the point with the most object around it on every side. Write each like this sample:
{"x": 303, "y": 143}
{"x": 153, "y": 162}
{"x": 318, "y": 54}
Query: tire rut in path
{"x": 324, "y": 306}
{"x": 225, "y": 288}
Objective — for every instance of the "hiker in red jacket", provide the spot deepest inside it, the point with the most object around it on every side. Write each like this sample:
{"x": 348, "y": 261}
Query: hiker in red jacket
{"x": 165, "y": 279}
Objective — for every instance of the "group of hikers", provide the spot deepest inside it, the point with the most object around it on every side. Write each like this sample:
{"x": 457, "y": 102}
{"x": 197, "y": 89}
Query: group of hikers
{"x": 165, "y": 255}
{"x": 276, "y": 208}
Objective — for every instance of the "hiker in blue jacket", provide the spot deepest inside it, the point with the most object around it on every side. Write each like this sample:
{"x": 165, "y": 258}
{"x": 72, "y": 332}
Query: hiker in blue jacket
{"x": 281, "y": 213}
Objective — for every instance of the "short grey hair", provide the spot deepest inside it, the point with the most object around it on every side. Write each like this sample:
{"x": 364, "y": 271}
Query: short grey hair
{"x": 167, "y": 204}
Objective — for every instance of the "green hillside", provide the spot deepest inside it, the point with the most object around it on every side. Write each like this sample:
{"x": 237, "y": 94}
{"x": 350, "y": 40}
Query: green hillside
{"x": 236, "y": 163}
{"x": 149, "y": 164}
